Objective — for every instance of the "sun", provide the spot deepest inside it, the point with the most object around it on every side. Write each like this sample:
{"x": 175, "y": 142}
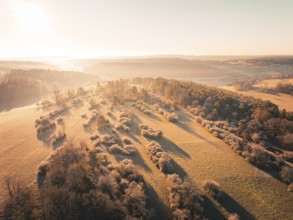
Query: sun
{"x": 32, "y": 18}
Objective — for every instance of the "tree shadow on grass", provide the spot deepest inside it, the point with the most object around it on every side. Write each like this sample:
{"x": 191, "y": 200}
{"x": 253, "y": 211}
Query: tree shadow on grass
{"x": 179, "y": 170}
{"x": 45, "y": 136}
{"x": 58, "y": 143}
{"x": 137, "y": 160}
{"x": 233, "y": 206}
{"x": 170, "y": 146}
{"x": 63, "y": 112}
{"x": 210, "y": 211}
{"x": 155, "y": 204}
{"x": 154, "y": 116}
{"x": 185, "y": 127}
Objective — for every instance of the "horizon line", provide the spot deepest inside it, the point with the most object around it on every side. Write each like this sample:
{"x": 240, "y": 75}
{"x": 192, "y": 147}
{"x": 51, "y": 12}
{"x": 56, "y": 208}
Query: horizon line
{"x": 139, "y": 56}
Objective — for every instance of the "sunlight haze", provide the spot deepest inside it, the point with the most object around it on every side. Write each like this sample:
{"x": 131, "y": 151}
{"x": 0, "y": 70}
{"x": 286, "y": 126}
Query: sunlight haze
{"x": 103, "y": 28}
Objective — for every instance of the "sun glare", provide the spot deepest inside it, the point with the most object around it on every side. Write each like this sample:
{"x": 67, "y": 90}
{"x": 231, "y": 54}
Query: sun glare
{"x": 32, "y": 18}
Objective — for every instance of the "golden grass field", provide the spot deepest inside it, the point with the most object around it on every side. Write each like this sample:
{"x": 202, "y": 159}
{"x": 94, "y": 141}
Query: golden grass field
{"x": 273, "y": 82}
{"x": 249, "y": 192}
{"x": 284, "y": 101}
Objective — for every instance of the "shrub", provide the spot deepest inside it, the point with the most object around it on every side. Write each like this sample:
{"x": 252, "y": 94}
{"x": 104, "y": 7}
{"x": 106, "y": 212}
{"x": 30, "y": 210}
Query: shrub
{"x": 126, "y": 141}
{"x": 102, "y": 122}
{"x": 184, "y": 198}
{"x": 213, "y": 189}
{"x": 82, "y": 184}
{"x": 260, "y": 157}
{"x": 142, "y": 108}
{"x": 58, "y": 137}
{"x": 93, "y": 104}
{"x": 125, "y": 120}
{"x": 44, "y": 125}
{"x": 130, "y": 149}
{"x": 233, "y": 217}
{"x": 288, "y": 156}
{"x": 22, "y": 205}
{"x": 115, "y": 148}
{"x": 126, "y": 150}
{"x": 159, "y": 157}
{"x": 171, "y": 116}
{"x": 60, "y": 120}
{"x": 287, "y": 174}
{"x": 122, "y": 127}
{"x": 83, "y": 115}
{"x": 149, "y": 132}
{"x": 94, "y": 137}
{"x": 108, "y": 140}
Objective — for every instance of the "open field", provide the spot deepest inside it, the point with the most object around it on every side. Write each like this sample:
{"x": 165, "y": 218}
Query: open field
{"x": 284, "y": 101}
{"x": 20, "y": 151}
{"x": 200, "y": 155}
{"x": 248, "y": 191}
{"x": 271, "y": 83}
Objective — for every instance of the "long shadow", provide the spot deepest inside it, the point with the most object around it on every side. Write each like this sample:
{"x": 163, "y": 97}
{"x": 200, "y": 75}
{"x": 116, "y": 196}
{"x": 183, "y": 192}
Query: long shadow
{"x": 135, "y": 123}
{"x": 154, "y": 116}
{"x": 133, "y": 137}
{"x": 58, "y": 143}
{"x": 137, "y": 160}
{"x": 154, "y": 203}
{"x": 179, "y": 170}
{"x": 133, "y": 129}
{"x": 77, "y": 103}
{"x": 172, "y": 147}
{"x": 233, "y": 206}
{"x": 210, "y": 211}
{"x": 64, "y": 112}
{"x": 46, "y": 135}
{"x": 186, "y": 127}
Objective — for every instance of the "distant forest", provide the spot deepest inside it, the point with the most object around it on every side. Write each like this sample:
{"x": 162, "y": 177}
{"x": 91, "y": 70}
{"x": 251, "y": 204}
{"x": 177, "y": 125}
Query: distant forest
{"x": 21, "y": 87}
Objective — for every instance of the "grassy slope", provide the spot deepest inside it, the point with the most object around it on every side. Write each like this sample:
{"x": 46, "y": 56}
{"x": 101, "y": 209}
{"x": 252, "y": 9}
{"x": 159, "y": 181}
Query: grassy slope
{"x": 202, "y": 156}
{"x": 284, "y": 101}
{"x": 196, "y": 152}
{"x": 273, "y": 82}
{"x": 20, "y": 151}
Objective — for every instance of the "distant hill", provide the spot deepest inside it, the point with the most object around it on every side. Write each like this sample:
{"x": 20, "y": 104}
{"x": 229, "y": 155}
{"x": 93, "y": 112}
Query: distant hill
{"x": 188, "y": 67}
{"x": 21, "y": 87}
{"x": 6, "y": 65}
{"x": 64, "y": 79}
{"x": 20, "y": 91}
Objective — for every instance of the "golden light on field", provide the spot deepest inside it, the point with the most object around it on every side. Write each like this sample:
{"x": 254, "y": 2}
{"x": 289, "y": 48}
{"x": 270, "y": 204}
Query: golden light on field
{"x": 32, "y": 17}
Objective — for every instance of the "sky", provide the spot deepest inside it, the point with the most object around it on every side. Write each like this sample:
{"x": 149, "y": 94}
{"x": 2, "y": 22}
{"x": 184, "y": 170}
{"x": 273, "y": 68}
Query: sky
{"x": 104, "y": 28}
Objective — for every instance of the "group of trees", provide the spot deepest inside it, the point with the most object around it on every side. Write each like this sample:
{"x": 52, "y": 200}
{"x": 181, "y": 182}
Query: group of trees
{"x": 75, "y": 183}
{"x": 259, "y": 124}
{"x": 149, "y": 132}
{"x": 125, "y": 121}
{"x": 17, "y": 91}
{"x": 185, "y": 198}
{"x": 284, "y": 88}
{"x": 159, "y": 157}
{"x": 50, "y": 77}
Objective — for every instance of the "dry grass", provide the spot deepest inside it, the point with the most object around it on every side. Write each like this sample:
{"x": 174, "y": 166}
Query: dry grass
{"x": 284, "y": 101}
{"x": 202, "y": 156}
{"x": 273, "y": 82}
{"x": 195, "y": 153}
